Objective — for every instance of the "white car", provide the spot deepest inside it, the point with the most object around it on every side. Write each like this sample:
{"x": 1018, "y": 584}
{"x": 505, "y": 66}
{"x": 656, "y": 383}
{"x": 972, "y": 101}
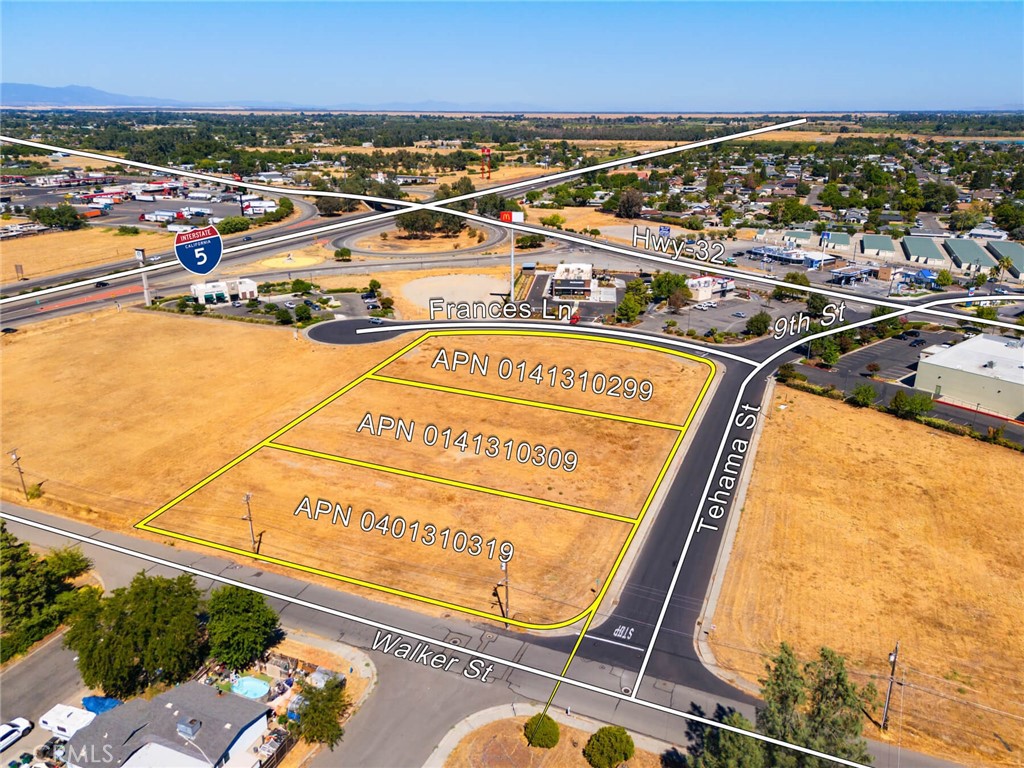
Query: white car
{"x": 12, "y": 731}
{"x": 290, "y": 304}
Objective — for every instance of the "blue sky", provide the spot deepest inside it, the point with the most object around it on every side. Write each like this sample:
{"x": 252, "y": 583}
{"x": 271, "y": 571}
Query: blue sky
{"x": 577, "y": 56}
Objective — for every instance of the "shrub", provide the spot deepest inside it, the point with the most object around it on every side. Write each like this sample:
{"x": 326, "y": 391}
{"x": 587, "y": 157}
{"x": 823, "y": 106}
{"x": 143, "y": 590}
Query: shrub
{"x": 541, "y": 731}
{"x": 343, "y": 254}
{"x": 284, "y": 317}
{"x": 127, "y": 230}
{"x": 608, "y": 747}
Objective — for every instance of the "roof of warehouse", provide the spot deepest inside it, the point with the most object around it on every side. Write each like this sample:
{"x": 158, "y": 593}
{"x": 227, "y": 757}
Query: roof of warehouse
{"x": 921, "y": 248}
{"x": 877, "y": 243}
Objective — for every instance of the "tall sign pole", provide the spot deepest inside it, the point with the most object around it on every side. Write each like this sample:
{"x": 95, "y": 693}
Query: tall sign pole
{"x": 140, "y": 256}
{"x": 509, "y": 217}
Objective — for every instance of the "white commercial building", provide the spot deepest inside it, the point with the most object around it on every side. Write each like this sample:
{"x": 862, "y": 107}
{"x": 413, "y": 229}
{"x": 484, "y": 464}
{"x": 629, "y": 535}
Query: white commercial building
{"x": 242, "y": 289}
{"x": 704, "y": 288}
{"x": 573, "y": 280}
{"x": 985, "y": 372}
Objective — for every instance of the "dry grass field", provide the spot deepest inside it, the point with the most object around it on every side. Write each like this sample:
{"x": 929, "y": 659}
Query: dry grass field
{"x": 397, "y": 244}
{"x": 118, "y": 414}
{"x": 597, "y": 442}
{"x": 501, "y": 744}
{"x": 52, "y": 253}
{"x": 676, "y": 381}
{"x": 894, "y": 532}
{"x": 552, "y": 574}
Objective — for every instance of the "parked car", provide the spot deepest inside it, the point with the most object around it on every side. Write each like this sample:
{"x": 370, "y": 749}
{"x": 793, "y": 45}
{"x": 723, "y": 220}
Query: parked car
{"x": 290, "y": 304}
{"x": 376, "y": 321}
{"x": 918, "y": 343}
{"x": 310, "y": 304}
{"x": 373, "y": 305}
{"x": 236, "y": 303}
{"x": 739, "y": 314}
{"x": 901, "y": 336}
{"x": 913, "y": 333}
{"x": 368, "y": 295}
{"x": 1000, "y": 290}
{"x": 54, "y": 747}
{"x": 12, "y": 731}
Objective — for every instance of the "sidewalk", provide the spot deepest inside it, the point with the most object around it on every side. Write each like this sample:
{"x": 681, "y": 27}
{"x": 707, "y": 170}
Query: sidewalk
{"x": 506, "y": 711}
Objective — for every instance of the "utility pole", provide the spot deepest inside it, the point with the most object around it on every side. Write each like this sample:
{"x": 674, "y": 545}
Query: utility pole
{"x": 888, "y": 693}
{"x": 504, "y": 607}
{"x": 16, "y": 461}
{"x": 248, "y": 516}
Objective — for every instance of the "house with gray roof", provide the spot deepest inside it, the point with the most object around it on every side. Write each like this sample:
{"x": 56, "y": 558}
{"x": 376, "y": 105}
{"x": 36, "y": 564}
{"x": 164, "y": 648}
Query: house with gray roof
{"x": 190, "y": 726}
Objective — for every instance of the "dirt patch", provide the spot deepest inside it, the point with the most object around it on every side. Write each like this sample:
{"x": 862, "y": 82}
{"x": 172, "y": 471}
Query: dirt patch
{"x": 894, "y": 531}
{"x": 454, "y": 288}
{"x": 53, "y": 253}
{"x": 501, "y": 744}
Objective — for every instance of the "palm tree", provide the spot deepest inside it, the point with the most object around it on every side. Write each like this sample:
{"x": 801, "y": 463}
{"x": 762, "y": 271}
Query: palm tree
{"x": 1004, "y": 266}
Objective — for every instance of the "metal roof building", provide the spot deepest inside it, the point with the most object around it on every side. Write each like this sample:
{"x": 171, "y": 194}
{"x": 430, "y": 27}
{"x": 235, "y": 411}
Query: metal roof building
{"x": 967, "y": 254}
{"x": 877, "y": 245}
{"x": 836, "y": 240}
{"x": 797, "y": 235}
{"x": 1009, "y": 250}
{"x": 922, "y": 250}
{"x": 986, "y": 373}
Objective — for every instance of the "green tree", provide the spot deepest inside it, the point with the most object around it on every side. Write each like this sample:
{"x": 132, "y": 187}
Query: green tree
{"x": 911, "y": 406}
{"x": 667, "y": 283}
{"x": 758, "y": 325}
{"x": 816, "y": 304}
{"x": 35, "y": 592}
{"x": 417, "y": 224}
{"x": 863, "y": 395}
{"x": 303, "y": 313}
{"x": 541, "y": 731}
{"x": 321, "y": 711}
{"x": 727, "y": 749}
{"x": 145, "y": 633}
{"x": 1009, "y": 216}
{"x": 828, "y": 350}
{"x": 330, "y": 206}
{"x": 64, "y": 216}
{"x": 629, "y": 309}
{"x": 554, "y": 220}
{"x": 886, "y": 325}
{"x": 375, "y": 286}
{"x": 831, "y": 196}
{"x": 283, "y": 316}
{"x": 241, "y": 626}
{"x": 631, "y": 202}
{"x": 232, "y": 224}
{"x": 182, "y": 304}
{"x": 795, "y": 278}
{"x": 608, "y": 747}
{"x": 986, "y": 313}
{"x": 639, "y": 290}
{"x": 343, "y": 254}
{"x": 944, "y": 278}
{"x": 530, "y": 241}
{"x": 834, "y": 716}
{"x": 781, "y": 716}
{"x": 679, "y": 297}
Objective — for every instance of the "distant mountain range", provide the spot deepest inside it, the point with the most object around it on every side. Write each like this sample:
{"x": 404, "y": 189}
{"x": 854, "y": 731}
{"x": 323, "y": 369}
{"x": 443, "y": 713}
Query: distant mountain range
{"x": 29, "y": 95}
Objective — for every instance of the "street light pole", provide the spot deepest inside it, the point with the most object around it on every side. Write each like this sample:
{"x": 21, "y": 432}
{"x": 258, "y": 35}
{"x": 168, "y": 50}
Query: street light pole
{"x": 248, "y": 516}
{"x": 16, "y": 461}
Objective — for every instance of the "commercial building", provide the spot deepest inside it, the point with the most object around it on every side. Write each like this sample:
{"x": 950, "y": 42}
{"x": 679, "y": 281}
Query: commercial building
{"x": 1007, "y": 249}
{"x": 984, "y": 373}
{"x": 968, "y": 255}
{"x": 878, "y": 245}
{"x": 835, "y": 241}
{"x": 573, "y": 280}
{"x": 705, "y": 288}
{"x": 922, "y": 251}
{"x": 241, "y": 289}
{"x": 190, "y": 726}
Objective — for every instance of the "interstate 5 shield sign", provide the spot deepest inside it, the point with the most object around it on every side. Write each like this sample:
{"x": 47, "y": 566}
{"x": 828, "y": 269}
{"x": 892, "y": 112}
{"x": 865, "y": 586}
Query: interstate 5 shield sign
{"x": 199, "y": 250}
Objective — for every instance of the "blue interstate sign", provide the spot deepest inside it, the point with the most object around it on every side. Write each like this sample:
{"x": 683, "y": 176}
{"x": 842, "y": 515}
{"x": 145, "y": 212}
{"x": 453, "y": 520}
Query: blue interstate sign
{"x": 199, "y": 250}
{"x": 664, "y": 231}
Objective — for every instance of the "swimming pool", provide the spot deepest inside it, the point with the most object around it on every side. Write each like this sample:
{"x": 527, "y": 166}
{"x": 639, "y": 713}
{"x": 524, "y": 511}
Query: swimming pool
{"x": 251, "y": 687}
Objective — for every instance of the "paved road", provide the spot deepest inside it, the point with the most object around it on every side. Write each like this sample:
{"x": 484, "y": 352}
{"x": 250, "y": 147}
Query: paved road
{"x": 46, "y": 677}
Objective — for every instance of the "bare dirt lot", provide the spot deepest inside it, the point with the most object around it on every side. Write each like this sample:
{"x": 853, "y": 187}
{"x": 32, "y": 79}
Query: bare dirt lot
{"x": 501, "y": 744}
{"x": 675, "y": 381}
{"x": 51, "y": 253}
{"x": 894, "y": 531}
{"x": 395, "y": 243}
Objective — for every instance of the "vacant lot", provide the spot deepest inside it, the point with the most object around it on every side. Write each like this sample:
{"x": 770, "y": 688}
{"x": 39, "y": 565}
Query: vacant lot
{"x": 891, "y": 531}
{"x": 396, "y": 243}
{"x": 501, "y": 744}
{"x": 54, "y": 252}
{"x": 120, "y": 412}
{"x": 675, "y": 381}
{"x": 558, "y": 555}
{"x": 484, "y": 461}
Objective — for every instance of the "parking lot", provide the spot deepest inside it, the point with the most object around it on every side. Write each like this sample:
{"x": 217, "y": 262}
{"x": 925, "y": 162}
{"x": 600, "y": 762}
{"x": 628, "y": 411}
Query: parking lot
{"x": 896, "y": 358}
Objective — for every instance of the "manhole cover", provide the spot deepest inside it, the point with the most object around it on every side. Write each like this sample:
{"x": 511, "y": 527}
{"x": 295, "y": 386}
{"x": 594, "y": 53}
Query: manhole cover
{"x": 627, "y": 690}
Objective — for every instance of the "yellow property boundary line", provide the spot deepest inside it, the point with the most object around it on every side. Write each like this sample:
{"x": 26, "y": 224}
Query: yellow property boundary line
{"x": 269, "y": 442}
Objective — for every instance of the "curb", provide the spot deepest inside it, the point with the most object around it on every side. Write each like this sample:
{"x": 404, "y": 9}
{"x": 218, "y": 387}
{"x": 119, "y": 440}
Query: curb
{"x": 484, "y": 717}
{"x": 705, "y": 623}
